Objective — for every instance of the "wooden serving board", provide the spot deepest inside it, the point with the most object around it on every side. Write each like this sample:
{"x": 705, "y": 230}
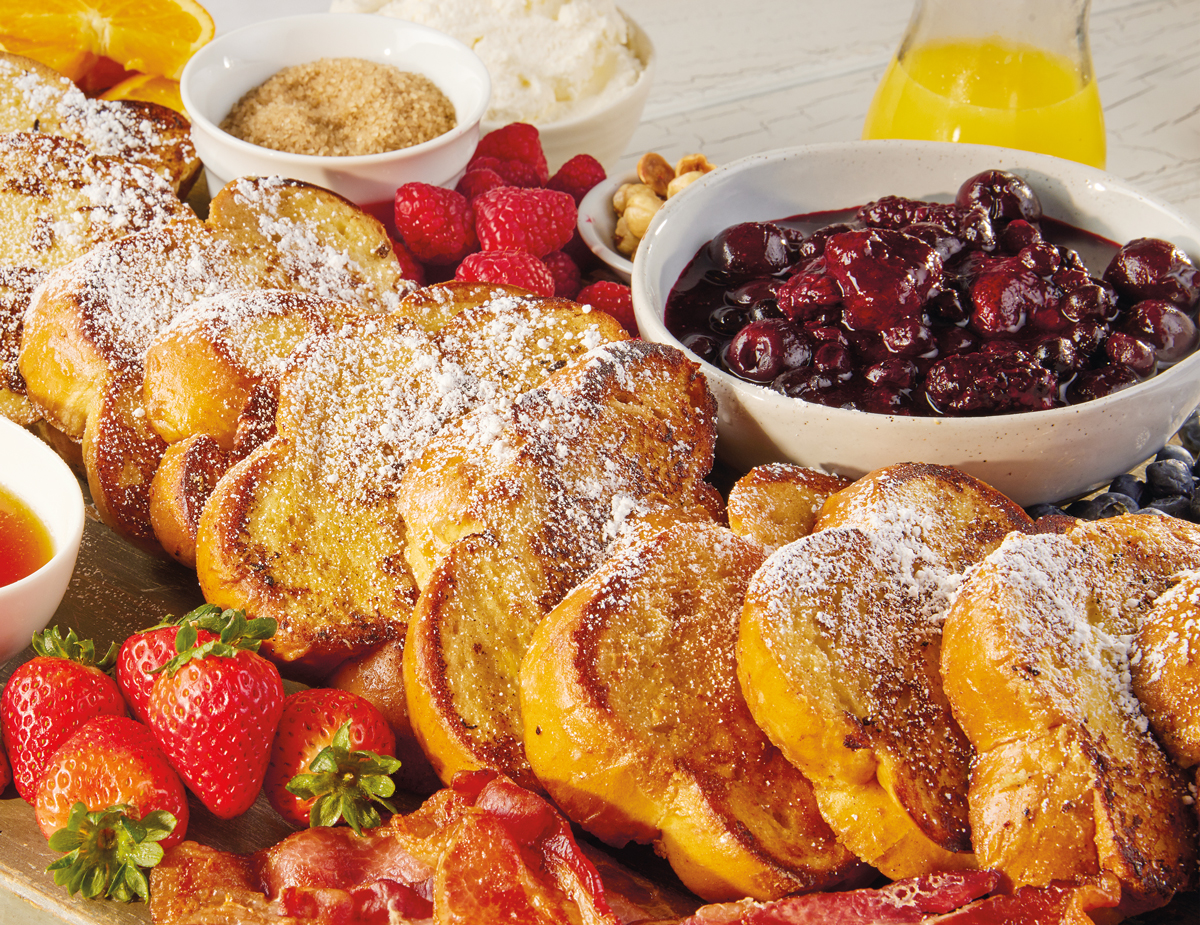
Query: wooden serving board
{"x": 116, "y": 590}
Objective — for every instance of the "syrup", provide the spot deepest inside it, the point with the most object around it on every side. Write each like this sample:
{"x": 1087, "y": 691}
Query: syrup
{"x": 25, "y": 544}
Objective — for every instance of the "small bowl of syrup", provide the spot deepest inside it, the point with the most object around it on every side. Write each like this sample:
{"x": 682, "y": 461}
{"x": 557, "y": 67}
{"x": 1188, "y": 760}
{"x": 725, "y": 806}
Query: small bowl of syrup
{"x": 41, "y": 526}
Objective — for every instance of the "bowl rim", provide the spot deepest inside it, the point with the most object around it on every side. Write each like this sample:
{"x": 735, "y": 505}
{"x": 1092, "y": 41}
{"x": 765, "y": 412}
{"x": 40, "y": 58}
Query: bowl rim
{"x": 600, "y": 196}
{"x": 66, "y": 542}
{"x": 461, "y": 127}
{"x": 650, "y": 323}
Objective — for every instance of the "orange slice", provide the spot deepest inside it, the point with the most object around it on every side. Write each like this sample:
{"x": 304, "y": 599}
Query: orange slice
{"x": 150, "y": 36}
{"x": 148, "y": 87}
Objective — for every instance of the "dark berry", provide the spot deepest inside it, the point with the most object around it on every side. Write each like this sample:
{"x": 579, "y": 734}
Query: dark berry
{"x": 1189, "y": 433}
{"x": 727, "y": 320}
{"x": 1175, "y": 451}
{"x": 1084, "y": 509}
{"x": 1175, "y": 505}
{"x": 1043, "y": 510}
{"x": 763, "y": 349}
{"x": 1169, "y": 477}
{"x": 885, "y": 276}
{"x": 1089, "y": 301}
{"x": 705, "y": 346}
{"x": 1149, "y": 268}
{"x": 1005, "y": 196}
{"x": 988, "y": 383}
{"x": 1096, "y": 383}
{"x": 1158, "y": 322}
{"x": 1018, "y": 235}
{"x": 749, "y": 250}
{"x": 1127, "y": 350}
{"x": 1112, "y": 504}
{"x": 1129, "y": 485}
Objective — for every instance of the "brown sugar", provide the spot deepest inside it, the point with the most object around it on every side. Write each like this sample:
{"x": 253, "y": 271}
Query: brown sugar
{"x": 341, "y": 107}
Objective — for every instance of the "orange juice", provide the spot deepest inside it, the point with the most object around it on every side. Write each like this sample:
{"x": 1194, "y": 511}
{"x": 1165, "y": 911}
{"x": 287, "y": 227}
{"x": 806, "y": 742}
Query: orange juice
{"x": 990, "y": 91}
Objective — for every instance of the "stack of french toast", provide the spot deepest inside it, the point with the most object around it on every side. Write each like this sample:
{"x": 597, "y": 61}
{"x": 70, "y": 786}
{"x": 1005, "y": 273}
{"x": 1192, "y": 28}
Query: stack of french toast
{"x": 488, "y": 512}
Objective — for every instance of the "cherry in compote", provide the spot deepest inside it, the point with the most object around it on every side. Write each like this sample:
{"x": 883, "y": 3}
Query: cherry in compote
{"x": 902, "y": 306}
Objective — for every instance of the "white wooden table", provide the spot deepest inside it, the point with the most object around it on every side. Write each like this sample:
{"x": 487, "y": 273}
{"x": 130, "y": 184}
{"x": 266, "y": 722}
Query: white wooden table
{"x": 737, "y": 77}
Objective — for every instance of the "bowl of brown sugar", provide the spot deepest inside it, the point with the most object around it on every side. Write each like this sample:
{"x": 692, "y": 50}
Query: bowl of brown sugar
{"x": 357, "y": 104}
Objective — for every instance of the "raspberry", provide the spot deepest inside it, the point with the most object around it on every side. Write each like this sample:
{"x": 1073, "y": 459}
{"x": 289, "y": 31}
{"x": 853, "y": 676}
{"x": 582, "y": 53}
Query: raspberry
{"x": 410, "y": 268}
{"x": 566, "y": 275}
{"x": 436, "y": 224}
{"x": 516, "y": 268}
{"x": 517, "y": 141}
{"x": 536, "y": 221}
{"x": 479, "y": 180}
{"x": 515, "y": 173}
{"x": 612, "y": 298}
{"x": 577, "y": 176}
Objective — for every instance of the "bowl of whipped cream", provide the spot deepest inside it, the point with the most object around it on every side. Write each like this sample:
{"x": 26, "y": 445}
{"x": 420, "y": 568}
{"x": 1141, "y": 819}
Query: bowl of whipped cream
{"x": 580, "y": 70}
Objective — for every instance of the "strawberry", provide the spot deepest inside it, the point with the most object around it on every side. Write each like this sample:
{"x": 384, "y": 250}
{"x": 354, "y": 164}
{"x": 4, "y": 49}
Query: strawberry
{"x": 214, "y": 708}
{"x": 536, "y": 221}
{"x": 435, "y": 224}
{"x": 145, "y": 652}
{"x": 577, "y": 176}
{"x": 612, "y": 298}
{"x": 517, "y": 141}
{"x": 110, "y": 761}
{"x": 567, "y": 279}
{"x": 107, "y": 853}
{"x": 49, "y": 696}
{"x": 349, "y": 749}
{"x": 5, "y": 769}
{"x": 516, "y": 268}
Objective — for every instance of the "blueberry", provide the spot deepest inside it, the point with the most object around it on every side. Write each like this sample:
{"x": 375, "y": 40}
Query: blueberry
{"x": 1043, "y": 510}
{"x": 1130, "y": 485}
{"x": 1167, "y": 478}
{"x": 1175, "y": 451}
{"x": 1084, "y": 509}
{"x": 1189, "y": 433}
{"x": 1175, "y": 505}
{"x": 1113, "y": 503}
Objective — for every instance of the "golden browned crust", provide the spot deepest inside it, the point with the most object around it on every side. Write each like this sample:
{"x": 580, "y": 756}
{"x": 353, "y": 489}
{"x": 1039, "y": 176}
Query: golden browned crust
{"x": 308, "y": 528}
{"x": 535, "y": 504}
{"x": 839, "y": 658}
{"x": 635, "y": 724}
{"x": 779, "y": 502}
{"x": 1068, "y": 782}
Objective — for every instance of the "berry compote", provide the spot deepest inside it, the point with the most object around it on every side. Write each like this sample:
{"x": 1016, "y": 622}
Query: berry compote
{"x": 974, "y": 307}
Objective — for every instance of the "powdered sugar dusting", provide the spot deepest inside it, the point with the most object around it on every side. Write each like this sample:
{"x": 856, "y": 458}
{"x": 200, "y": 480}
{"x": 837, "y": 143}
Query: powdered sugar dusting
{"x": 1060, "y": 625}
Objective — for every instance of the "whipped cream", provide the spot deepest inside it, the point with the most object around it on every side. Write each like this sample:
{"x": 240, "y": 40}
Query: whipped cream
{"x": 549, "y": 60}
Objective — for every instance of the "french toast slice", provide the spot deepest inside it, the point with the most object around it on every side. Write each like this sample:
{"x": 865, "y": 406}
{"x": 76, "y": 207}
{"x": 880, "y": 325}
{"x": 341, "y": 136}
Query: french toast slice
{"x": 60, "y": 199}
{"x": 91, "y": 323}
{"x": 307, "y": 529}
{"x": 1165, "y": 668}
{"x": 36, "y": 98}
{"x": 211, "y": 387}
{"x": 1068, "y": 781}
{"x": 537, "y": 500}
{"x": 635, "y": 724}
{"x": 779, "y": 502}
{"x": 838, "y": 655}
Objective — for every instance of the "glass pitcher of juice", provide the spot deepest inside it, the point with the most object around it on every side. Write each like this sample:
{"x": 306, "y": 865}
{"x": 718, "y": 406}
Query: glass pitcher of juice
{"x": 1016, "y": 73}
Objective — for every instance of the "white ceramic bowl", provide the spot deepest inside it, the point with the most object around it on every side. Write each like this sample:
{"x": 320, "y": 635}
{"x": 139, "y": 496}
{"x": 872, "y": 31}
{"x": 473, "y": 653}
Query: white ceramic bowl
{"x": 598, "y": 223}
{"x": 35, "y": 474}
{"x": 1042, "y": 456}
{"x": 222, "y": 71}
{"x": 604, "y": 133}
